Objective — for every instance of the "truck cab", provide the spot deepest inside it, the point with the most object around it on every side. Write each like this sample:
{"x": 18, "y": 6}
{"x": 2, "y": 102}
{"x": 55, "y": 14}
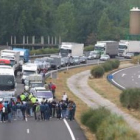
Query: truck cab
{"x": 13, "y": 57}
{"x": 32, "y": 81}
{"x": 7, "y": 81}
{"x": 28, "y": 69}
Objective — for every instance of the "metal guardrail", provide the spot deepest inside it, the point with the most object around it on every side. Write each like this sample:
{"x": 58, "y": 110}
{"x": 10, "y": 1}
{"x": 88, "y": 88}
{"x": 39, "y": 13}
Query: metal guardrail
{"x": 47, "y": 75}
{"x": 42, "y": 55}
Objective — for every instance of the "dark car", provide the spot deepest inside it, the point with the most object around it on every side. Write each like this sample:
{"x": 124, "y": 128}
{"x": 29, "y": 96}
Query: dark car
{"x": 83, "y": 59}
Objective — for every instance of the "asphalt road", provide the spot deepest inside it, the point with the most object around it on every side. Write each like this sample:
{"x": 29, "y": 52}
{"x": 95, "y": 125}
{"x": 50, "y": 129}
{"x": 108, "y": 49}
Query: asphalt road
{"x": 128, "y": 78}
{"x": 40, "y": 130}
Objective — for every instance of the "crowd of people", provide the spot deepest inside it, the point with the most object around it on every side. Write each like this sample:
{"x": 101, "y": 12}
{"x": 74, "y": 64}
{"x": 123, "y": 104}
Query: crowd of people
{"x": 28, "y": 106}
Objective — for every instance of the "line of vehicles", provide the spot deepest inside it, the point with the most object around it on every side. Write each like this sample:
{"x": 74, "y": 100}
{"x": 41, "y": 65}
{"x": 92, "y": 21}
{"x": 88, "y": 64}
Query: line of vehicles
{"x": 17, "y": 60}
{"x": 105, "y": 50}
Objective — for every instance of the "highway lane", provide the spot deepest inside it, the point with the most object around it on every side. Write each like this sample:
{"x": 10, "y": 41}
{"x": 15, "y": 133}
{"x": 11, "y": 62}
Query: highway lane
{"x": 128, "y": 78}
{"x": 43, "y": 130}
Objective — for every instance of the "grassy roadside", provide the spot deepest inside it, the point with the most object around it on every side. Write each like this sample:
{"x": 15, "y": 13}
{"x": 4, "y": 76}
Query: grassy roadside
{"x": 110, "y": 92}
{"x": 81, "y": 106}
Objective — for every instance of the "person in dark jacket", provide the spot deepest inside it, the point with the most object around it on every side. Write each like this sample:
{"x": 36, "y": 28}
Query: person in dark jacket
{"x": 9, "y": 112}
{"x": 23, "y": 109}
{"x": 47, "y": 111}
{"x": 58, "y": 110}
{"x": 42, "y": 111}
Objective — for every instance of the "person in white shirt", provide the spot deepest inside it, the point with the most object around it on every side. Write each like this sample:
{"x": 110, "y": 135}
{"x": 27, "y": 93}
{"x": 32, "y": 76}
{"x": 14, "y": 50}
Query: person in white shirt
{"x": 64, "y": 97}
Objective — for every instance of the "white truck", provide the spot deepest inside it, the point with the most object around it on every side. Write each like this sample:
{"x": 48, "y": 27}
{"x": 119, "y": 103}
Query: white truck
{"x": 107, "y": 47}
{"x": 14, "y": 58}
{"x": 126, "y": 47}
{"x": 71, "y": 49}
{"x": 7, "y": 81}
{"x": 28, "y": 69}
{"x": 32, "y": 81}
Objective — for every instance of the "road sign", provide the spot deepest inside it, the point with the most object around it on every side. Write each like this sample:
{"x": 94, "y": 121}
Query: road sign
{"x": 110, "y": 76}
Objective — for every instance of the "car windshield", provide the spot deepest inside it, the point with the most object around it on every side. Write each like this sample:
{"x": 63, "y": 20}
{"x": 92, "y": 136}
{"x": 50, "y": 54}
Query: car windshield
{"x": 27, "y": 72}
{"x": 46, "y": 94}
{"x": 36, "y": 85}
{"x": 7, "y": 82}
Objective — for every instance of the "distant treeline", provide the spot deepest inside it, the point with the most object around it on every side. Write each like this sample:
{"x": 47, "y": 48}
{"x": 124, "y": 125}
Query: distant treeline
{"x": 74, "y": 20}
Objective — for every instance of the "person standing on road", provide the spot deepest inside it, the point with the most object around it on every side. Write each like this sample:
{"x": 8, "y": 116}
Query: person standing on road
{"x": 23, "y": 109}
{"x": 58, "y": 110}
{"x": 1, "y": 106}
{"x": 70, "y": 107}
{"x": 9, "y": 112}
{"x": 53, "y": 108}
{"x": 42, "y": 111}
{"x": 34, "y": 109}
{"x": 47, "y": 111}
{"x": 53, "y": 87}
{"x": 64, "y": 108}
{"x": 64, "y": 97}
{"x": 3, "y": 115}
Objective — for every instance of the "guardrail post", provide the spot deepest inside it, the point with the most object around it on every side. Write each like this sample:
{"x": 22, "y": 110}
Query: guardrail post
{"x": 11, "y": 40}
{"x": 27, "y": 39}
{"x": 23, "y": 39}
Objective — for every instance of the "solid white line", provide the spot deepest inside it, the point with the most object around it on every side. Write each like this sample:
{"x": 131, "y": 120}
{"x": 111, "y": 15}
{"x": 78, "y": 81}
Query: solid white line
{"x": 125, "y": 69}
{"x": 118, "y": 84}
{"x": 26, "y": 119}
{"x": 28, "y": 131}
{"x": 70, "y": 131}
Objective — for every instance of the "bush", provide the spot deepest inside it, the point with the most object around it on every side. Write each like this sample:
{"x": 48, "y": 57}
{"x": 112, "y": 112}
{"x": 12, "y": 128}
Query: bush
{"x": 114, "y": 128}
{"x": 115, "y": 63}
{"x": 135, "y": 59}
{"x": 107, "y": 66}
{"x": 97, "y": 72}
{"x": 89, "y": 48}
{"x": 130, "y": 98}
{"x": 96, "y": 119}
{"x": 86, "y": 115}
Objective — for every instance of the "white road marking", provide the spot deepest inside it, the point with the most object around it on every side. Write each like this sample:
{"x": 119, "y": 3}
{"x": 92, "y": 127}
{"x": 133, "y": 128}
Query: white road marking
{"x": 132, "y": 79}
{"x": 117, "y": 84}
{"x": 28, "y": 131}
{"x": 70, "y": 131}
{"x": 26, "y": 119}
{"x": 136, "y": 83}
{"x": 123, "y": 74}
{"x": 139, "y": 76}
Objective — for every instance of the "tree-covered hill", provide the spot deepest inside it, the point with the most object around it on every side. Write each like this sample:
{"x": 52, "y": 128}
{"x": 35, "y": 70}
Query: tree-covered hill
{"x": 74, "y": 20}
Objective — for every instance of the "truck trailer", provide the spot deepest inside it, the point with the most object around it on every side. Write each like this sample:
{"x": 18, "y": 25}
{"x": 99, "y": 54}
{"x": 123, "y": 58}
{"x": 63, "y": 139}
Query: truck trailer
{"x": 71, "y": 49}
{"x": 13, "y": 56}
{"x": 107, "y": 47}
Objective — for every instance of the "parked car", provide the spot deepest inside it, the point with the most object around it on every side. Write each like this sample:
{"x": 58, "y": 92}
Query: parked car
{"x": 63, "y": 62}
{"x": 94, "y": 55}
{"x": 83, "y": 59}
{"x": 104, "y": 57}
{"x": 76, "y": 60}
{"x": 129, "y": 55}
